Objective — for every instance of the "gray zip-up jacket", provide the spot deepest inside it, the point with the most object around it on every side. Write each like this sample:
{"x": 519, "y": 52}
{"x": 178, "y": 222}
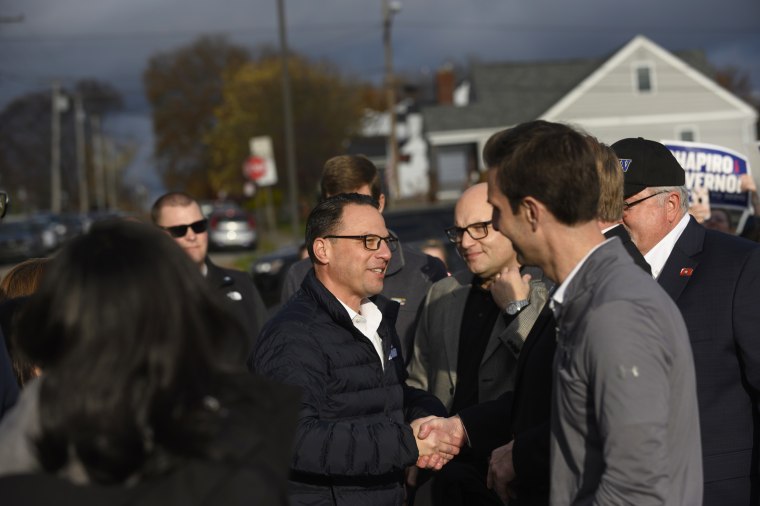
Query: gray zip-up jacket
{"x": 625, "y": 425}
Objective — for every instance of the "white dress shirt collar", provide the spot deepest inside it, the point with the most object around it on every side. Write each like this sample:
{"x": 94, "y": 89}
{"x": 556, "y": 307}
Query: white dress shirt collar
{"x": 367, "y": 321}
{"x": 658, "y": 255}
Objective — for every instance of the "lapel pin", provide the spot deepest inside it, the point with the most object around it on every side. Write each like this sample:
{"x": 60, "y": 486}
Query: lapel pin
{"x": 686, "y": 272}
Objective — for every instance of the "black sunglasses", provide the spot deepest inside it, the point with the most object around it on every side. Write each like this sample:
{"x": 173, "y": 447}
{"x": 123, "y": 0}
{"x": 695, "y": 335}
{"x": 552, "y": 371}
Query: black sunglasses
{"x": 178, "y": 231}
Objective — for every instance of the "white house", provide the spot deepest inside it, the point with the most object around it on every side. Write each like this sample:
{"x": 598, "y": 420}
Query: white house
{"x": 641, "y": 90}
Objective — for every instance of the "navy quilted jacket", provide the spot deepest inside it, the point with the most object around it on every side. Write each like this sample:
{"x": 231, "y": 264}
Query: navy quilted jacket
{"x": 352, "y": 439}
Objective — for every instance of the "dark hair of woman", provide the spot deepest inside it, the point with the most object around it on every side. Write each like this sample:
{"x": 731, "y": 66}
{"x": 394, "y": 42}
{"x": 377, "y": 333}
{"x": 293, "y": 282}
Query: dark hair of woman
{"x": 130, "y": 339}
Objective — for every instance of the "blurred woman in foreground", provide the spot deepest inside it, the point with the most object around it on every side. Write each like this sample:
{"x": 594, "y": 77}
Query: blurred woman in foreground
{"x": 138, "y": 403}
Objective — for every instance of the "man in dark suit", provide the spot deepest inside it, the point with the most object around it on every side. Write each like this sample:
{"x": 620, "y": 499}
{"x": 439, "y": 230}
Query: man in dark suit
{"x": 181, "y": 217}
{"x": 714, "y": 279}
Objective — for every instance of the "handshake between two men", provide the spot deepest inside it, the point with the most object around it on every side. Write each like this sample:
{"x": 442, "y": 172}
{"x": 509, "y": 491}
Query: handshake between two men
{"x": 439, "y": 440}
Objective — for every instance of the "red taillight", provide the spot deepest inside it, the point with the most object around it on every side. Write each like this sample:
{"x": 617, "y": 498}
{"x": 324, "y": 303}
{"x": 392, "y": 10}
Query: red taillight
{"x": 214, "y": 221}
{"x": 251, "y": 221}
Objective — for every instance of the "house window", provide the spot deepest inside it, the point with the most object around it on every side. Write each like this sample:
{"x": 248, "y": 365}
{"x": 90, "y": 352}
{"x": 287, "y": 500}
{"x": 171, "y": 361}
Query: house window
{"x": 687, "y": 133}
{"x": 644, "y": 79}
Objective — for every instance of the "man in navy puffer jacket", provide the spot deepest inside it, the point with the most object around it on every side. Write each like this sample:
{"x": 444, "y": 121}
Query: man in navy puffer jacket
{"x": 354, "y": 438}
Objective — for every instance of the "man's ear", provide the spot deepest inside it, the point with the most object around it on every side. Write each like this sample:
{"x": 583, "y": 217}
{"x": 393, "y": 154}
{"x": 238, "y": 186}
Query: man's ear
{"x": 673, "y": 206}
{"x": 321, "y": 249}
{"x": 532, "y": 210}
{"x": 381, "y": 202}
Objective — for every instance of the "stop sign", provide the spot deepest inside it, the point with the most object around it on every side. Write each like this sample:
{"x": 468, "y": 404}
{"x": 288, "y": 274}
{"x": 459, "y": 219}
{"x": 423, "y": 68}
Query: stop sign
{"x": 254, "y": 168}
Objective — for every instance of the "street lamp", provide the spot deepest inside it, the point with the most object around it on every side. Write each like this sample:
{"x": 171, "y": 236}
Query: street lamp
{"x": 391, "y": 7}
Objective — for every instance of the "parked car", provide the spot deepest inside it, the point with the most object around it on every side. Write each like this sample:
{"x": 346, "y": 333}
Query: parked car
{"x": 23, "y": 239}
{"x": 209, "y": 207}
{"x": 232, "y": 228}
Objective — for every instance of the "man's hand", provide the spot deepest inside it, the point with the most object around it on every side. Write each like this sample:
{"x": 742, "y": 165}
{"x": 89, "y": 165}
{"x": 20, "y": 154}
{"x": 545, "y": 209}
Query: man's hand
{"x": 438, "y": 440}
{"x": 508, "y": 286}
{"x": 699, "y": 207}
{"x": 747, "y": 184}
{"x": 501, "y": 471}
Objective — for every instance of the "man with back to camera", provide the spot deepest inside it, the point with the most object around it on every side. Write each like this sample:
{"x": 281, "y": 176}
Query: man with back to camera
{"x": 470, "y": 333}
{"x": 336, "y": 340}
{"x": 410, "y": 273}
{"x": 624, "y": 425}
{"x": 181, "y": 217}
{"x": 8, "y": 385}
{"x": 714, "y": 279}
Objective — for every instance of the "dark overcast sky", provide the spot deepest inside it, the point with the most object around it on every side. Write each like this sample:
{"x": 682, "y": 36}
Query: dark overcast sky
{"x": 112, "y": 39}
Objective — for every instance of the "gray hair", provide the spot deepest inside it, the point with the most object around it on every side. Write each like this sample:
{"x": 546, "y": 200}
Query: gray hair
{"x": 681, "y": 190}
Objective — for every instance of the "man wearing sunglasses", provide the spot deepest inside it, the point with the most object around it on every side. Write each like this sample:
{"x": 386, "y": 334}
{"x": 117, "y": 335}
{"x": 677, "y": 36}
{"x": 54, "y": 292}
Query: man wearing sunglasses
{"x": 180, "y": 216}
{"x": 335, "y": 339}
{"x": 714, "y": 278}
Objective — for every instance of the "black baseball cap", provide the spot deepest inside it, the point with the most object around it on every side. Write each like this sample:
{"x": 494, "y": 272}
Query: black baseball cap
{"x": 647, "y": 163}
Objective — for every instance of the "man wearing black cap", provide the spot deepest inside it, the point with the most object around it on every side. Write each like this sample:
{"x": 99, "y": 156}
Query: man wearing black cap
{"x": 714, "y": 279}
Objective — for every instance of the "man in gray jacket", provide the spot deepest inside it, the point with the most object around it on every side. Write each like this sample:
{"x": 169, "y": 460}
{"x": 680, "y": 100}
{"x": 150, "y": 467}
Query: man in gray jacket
{"x": 625, "y": 426}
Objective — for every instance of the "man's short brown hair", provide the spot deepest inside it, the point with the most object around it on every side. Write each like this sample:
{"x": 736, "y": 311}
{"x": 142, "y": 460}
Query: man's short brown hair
{"x": 173, "y": 199}
{"x": 348, "y": 173}
{"x": 554, "y": 164}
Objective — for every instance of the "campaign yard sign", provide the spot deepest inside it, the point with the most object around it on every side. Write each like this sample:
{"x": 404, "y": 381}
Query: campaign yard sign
{"x": 715, "y": 168}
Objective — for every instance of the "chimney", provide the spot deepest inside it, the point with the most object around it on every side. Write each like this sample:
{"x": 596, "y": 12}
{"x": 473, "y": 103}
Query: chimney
{"x": 444, "y": 84}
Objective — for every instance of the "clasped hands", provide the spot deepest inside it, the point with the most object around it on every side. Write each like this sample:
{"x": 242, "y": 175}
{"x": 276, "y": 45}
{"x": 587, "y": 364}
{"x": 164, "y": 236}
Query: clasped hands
{"x": 438, "y": 440}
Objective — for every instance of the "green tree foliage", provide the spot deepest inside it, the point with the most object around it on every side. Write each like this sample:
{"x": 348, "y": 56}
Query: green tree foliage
{"x": 184, "y": 87}
{"x": 327, "y": 110}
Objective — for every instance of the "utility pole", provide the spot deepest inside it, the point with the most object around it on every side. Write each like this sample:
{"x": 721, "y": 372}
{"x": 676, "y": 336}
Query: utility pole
{"x": 57, "y": 105}
{"x": 79, "y": 117}
{"x": 391, "y": 7}
{"x": 97, "y": 148}
{"x": 110, "y": 169}
{"x": 290, "y": 151}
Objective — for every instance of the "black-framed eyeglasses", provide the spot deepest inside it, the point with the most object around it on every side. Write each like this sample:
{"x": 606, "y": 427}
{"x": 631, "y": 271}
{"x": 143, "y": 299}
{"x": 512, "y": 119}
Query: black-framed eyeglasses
{"x": 628, "y": 205}
{"x": 178, "y": 231}
{"x": 476, "y": 230}
{"x": 4, "y": 201}
{"x": 372, "y": 242}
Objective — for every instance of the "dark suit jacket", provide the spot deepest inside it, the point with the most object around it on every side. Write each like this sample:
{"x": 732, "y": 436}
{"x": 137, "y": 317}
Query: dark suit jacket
{"x": 527, "y": 408}
{"x": 434, "y": 363}
{"x": 240, "y": 295}
{"x": 622, "y": 233}
{"x": 714, "y": 279}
